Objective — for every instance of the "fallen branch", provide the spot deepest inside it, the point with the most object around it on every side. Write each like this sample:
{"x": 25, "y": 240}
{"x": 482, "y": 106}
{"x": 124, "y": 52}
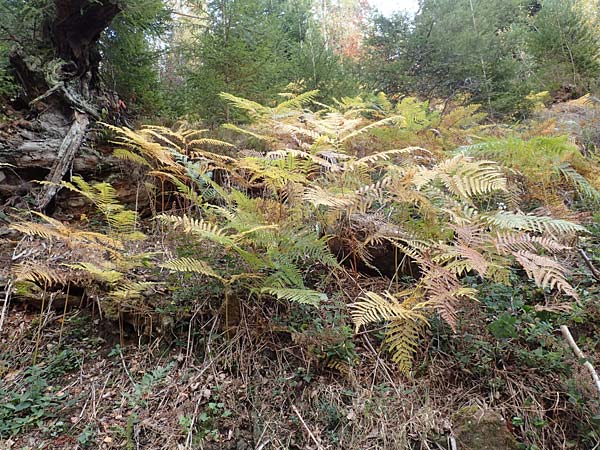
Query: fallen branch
{"x": 567, "y": 334}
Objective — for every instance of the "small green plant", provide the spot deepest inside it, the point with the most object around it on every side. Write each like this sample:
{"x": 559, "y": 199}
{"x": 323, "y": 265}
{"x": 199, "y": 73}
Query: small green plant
{"x": 87, "y": 435}
{"x": 30, "y": 406}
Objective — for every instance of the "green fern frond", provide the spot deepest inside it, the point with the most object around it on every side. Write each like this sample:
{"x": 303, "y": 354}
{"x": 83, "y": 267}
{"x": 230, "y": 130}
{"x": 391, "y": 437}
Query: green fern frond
{"x": 298, "y": 102}
{"x": 99, "y": 273}
{"x": 584, "y": 187}
{"x": 539, "y": 224}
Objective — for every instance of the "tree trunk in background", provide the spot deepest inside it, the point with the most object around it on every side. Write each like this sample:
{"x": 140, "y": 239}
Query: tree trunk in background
{"x": 60, "y": 97}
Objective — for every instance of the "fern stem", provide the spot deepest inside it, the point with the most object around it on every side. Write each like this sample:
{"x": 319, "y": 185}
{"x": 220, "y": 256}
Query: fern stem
{"x": 39, "y": 330}
{"x": 62, "y": 324}
{"x": 226, "y": 292}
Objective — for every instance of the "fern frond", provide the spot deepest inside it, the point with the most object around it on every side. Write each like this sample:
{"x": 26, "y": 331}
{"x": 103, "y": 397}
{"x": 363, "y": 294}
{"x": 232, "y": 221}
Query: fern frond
{"x": 298, "y": 101}
{"x": 230, "y": 126}
{"x": 546, "y": 272}
{"x": 584, "y": 187}
{"x": 322, "y": 162}
{"x": 444, "y": 291}
{"x": 40, "y": 230}
{"x": 199, "y": 227}
{"x": 402, "y": 338}
{"x": 371, "y": 126}
{"x": 465, "y": 177}
{"x": 373, "y": 307}
{"x": 128, "y": 155}
{"x": 208, "y": 141}
{"x": 302, "y": 296}
{"x": 386, "y": 155}
{"x": 127, "y": 290}
{"x": 99, "y": 273}
{"x": 320, "y": 197}
{"x": 38, "y": 273}
{"x": 254, "y": 109}
{"x": 507, "y": 243}
{"x": 191, "y": 265}
{"x": 526, "y": 222}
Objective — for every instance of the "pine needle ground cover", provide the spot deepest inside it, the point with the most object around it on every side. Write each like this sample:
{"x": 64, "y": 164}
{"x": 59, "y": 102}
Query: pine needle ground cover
{"x": 365, "y": 274}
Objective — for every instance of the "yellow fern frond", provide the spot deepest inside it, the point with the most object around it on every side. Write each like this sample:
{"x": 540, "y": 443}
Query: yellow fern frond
{"x": 320, "y": 197}
{"x": 191, "y": 265}
{"x": 38, "y": 273}
{"x": 371, "y": 126}
{"x": 199, "y": 227}
{"x": 402, "y": 339}
{"x": 465, "y": 177}
{"x": 127, "y": 290}
{"x": 128, "y": 155}
{"x": 374, "y": 307}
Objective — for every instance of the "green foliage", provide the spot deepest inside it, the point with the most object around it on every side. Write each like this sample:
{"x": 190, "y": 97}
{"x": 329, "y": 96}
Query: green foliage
{"x": 7, "y": 83}
{"x": 492, "y": 52}
{"x": 549, "y": 163}
{"x": 437, "y": 210}
{"x": 255, "y": 49}
{"x": 566, "y": 48}
{"x": 131, "y": 52}
{"x": 34, "y": 402}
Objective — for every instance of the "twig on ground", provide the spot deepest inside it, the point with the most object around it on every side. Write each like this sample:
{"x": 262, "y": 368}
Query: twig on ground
{"x": 263, "y": 445}
{"x": 567, "y": 335}
{"x": 588, "y": 262}
{"x": 312, "y": 436}
{"x": 6, "y": 302}
{"x": 452, "y": 443}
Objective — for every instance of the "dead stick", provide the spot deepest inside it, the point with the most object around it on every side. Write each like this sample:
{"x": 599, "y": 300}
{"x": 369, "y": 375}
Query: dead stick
{"x": 567, "y": 334}
{"x": 312, "y": 436}
{"x": 6, "y": 301}
{"x": 589, "y": 263}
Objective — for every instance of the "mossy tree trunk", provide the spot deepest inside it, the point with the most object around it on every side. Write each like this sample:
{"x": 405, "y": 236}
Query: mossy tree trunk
{"x": 60, "y": 96}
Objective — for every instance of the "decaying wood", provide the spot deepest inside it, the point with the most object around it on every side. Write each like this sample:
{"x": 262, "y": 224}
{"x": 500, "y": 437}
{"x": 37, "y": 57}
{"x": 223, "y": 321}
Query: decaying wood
{"x": 66, "y": 154}
{"x": 60, "y": 96}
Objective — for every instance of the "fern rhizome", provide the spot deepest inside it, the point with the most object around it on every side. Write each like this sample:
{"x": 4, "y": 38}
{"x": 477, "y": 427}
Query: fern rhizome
{"x": 308, "y": 187}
